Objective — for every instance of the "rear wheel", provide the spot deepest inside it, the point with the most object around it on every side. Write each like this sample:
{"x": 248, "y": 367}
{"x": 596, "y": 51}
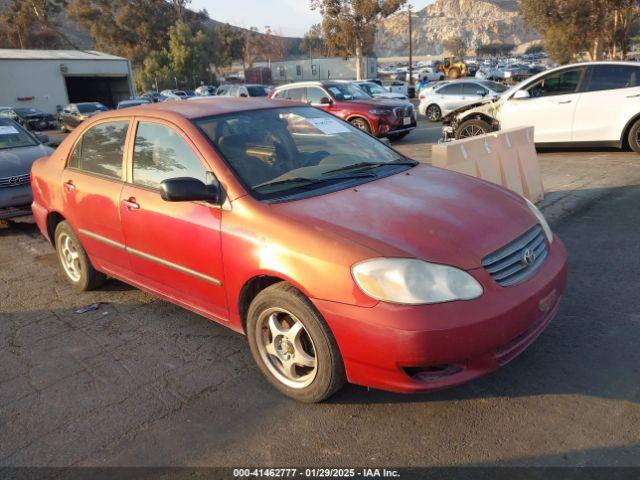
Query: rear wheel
{"x": 472, "y": 128}
{"x": 361, "y": 124}
{"x": 634, "y": 137}
{"x": 74, "y": 263}
{"x": 293, "y": 346}
{"x": 433, "y": 113}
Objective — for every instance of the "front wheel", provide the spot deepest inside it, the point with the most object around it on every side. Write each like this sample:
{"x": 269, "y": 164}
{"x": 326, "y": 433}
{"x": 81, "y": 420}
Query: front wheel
{"x": 293, "y": 346}
{"x": 433, "y": 113}
{"x": 634, "y": 137}
{"x": 361, "y": 124}
{"x": 472, "y": 128}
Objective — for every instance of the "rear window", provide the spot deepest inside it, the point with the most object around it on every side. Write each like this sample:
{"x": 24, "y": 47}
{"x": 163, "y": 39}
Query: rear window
{"x": 91, "y": 107}
{"x": 611, "y": 77}
{"x": 258, "y": 91}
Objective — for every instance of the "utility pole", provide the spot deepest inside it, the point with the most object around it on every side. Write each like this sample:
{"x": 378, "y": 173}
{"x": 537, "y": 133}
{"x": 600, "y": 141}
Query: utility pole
{"x": 410, "y": 46}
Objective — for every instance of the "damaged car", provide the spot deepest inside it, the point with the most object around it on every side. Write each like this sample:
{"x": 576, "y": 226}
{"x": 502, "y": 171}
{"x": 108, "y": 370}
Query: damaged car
{"x": 586, "y": 104}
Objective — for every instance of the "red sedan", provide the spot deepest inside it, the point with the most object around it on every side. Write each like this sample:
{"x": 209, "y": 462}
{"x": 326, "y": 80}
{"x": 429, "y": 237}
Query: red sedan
{"x": 340, "y": 259}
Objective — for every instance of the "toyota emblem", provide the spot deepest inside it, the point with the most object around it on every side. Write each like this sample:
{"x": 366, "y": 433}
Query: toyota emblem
{"x": 528, "y": 257}
{"x": 14, "y": 181}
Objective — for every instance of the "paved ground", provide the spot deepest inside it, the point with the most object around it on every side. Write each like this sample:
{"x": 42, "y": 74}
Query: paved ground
{"x": 142, "y": 382}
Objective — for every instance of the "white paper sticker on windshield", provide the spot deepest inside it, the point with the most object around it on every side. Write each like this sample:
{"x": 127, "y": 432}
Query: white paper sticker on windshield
{"x": 328, "y": 126}
{"x": 8, "y": 131}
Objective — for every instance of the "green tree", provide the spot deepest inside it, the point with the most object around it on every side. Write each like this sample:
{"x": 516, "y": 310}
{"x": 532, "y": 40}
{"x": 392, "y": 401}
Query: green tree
{"x": 314, "y": 43}
{"x": 231, "y": 44}
{"x": 495, "y": 49}
{"x": 33, "y": 24}
{"x": 535, "y": 48}
{"x": 349, "y": 26}
{"x": 457, "y": 46}
{"x": 190, "y": 53}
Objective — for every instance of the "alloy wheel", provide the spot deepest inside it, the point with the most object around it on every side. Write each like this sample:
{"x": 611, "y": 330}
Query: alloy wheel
{"x": 433, "y": 113}
{"x": 471, "y": 131}
{"x": 286, "y": 348}
{"x": 70, "y": 257}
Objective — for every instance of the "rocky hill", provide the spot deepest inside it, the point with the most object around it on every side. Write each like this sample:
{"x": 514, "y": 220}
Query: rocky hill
{"x": 478, "y": 21}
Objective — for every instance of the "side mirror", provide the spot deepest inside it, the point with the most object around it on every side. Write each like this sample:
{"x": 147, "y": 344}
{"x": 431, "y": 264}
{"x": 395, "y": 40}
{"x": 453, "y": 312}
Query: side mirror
{"x": 481, "y": 93}
{"x": 244, "y": 95}
{"x": 43, "y": 138}
{"x": 325, "y": 101}
{"x": 187, "y": 189}
{"x": 521, "y": 95}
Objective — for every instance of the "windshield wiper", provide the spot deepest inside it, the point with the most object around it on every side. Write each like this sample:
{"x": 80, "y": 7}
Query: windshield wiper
{"x": 313, "y": 181}
{"x": 370, "y": 165}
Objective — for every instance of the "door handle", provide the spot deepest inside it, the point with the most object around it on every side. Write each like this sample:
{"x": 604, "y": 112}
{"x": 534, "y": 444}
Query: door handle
{"x": 131, "y": 204}
{"x": 634, "y": 96}
{"x": 69, "y": 186}
{"x": 565, "y": 102}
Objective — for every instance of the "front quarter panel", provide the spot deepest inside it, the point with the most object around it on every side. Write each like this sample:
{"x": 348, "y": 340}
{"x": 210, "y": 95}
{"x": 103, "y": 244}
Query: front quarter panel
{"x": 256, "y": 242}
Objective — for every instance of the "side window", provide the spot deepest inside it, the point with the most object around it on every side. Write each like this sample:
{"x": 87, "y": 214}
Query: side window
{"x": 559, "y": 83}
{"x": 295, "y": 94}
{"x": 455, "y": 89}
{"x": 611, "y": 77}
{"x": 101, "y": 149}
{"x": 473, "y": 89}
{"x": 161, "y": 153}
{"x": 314, "y": 94}
{"x": 74, "y": 160}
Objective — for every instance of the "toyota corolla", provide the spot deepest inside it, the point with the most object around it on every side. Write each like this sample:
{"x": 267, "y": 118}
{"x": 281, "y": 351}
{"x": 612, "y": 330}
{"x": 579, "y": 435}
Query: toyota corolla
{"x": 338, "y": 258}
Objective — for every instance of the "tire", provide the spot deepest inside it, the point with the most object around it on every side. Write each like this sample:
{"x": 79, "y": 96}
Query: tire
{"x": 433, "y": 113}
{"x": 74, "y": 263}
{"x": 634, "y": 137}
{"x": 63, "y": 128}
{"x": 361, "y": 124}
{"x": 454, "y": 73}
{"x": 472, "y": 128}
{"x": 279, "y": 308}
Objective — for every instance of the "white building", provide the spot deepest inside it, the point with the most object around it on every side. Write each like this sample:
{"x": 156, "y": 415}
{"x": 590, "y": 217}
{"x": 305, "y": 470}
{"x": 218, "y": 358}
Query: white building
{"x": 47, "y": 79}
{"x": 334, "y": 68}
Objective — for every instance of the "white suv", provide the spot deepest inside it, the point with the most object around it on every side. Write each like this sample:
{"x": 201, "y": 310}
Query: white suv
{"x": 596, "y": 103}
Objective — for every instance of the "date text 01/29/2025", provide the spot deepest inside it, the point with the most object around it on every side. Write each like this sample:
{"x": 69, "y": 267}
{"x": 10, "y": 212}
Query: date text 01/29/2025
{"x": 315, "y": 473}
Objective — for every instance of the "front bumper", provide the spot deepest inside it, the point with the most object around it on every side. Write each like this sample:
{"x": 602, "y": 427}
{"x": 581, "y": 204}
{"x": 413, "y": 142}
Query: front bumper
{"x": 412, "y": 349}
{"x": 15, "y": 201}
{"x": 398, "y": 127}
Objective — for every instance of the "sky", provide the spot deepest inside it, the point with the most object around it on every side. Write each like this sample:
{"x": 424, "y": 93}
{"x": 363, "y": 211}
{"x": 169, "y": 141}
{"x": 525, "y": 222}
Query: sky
{"x": 287, "y": 17}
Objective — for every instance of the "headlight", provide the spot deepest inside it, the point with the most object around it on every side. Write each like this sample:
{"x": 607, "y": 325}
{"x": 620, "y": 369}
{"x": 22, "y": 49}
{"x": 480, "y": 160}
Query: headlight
{"x": 543, "y": 221}
{"x": 414, "y": 282}
{"x": 380, "y": 111}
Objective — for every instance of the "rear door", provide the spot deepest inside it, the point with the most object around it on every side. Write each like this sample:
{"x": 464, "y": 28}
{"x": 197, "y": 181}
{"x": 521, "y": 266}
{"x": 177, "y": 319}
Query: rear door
{"x": 174, "y": 247}
{"x": 91, "y": 187}
{"x": 551, "y": 107}
{"x": 450, "y": 97}
{"x": 610, "y": 91}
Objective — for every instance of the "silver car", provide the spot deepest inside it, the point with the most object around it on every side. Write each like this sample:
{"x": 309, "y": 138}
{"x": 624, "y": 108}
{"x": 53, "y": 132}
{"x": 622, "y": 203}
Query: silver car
{"x": 440, "y": 101}
{"x": 18, "y": 150}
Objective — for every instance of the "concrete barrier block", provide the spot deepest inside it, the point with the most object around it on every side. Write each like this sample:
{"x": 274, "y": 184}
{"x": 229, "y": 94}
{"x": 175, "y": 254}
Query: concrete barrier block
{"x": 484, "y": 151}
{"x": 509, "y": 164}
{"x": 529, "y": 165}
{"x": 454, "y": 156}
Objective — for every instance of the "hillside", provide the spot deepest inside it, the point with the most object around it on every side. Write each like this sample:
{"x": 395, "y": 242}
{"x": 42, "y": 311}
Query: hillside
{"x": 479, "y": 21}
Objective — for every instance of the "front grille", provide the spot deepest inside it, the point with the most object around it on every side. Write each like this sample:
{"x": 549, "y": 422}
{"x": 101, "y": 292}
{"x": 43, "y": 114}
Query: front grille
{"x": 14, "y": 181}
{"x": 402, "y": 112}
{"x": 519, "y": 260}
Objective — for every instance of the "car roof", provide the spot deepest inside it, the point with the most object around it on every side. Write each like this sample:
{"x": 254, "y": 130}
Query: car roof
{"x": 203, "y": 108}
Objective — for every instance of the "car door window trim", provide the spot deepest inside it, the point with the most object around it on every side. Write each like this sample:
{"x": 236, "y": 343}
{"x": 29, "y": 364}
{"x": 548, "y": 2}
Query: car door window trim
{"x": 146, "y": 256}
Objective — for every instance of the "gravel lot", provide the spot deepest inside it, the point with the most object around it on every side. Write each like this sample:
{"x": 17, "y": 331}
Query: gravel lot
{"x": 142, "y": 382}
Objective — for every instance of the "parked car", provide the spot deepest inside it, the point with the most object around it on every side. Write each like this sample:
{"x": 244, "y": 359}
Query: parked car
{"x": 19, "y": 148}
{"x": 155, "y": 97}
{"x": 451, "y": 96}
{"x": 206, "y": 90}
{"x": 339, "y": 258}
{"x": 30, "y": 118}
{"x": 376, "y": 91}
{"x": 431, "y": 74}
{"x": 377, "y": 116}
{"x": 397, "y": 86}
{"x": 592, "y": 103}
{"x": 75, "y": 113}
{"x": 136, "y": 102}
{"x": 174, "y": 95}
{"x": 244, "y": 91}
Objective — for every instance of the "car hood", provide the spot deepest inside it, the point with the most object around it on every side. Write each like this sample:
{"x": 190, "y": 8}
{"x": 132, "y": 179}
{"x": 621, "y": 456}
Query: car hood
{"x": 392, "y": 96}
{"x": 18, "y": 161}
{"x": 471, "y": 106}
{"x": 378, "y": 102}
{"x": 426, "y": 212}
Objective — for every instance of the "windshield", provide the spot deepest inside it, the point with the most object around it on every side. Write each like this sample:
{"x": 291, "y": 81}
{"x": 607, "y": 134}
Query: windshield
{"x": 91, "y": 107}
{"x": 14, "y": 136}
{"x": 373, "y": 88}
{"x": 346, "y": 91}
{"x": 258, "y": 91}
{"x": 28, "y": 111}
{"x": 297, "y": 150}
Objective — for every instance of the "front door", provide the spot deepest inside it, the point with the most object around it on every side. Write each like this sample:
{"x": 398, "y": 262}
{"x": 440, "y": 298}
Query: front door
{"x": 550, "y": 108}
{"x": 91, "y": 185}
{"x": 174, "y": 248}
